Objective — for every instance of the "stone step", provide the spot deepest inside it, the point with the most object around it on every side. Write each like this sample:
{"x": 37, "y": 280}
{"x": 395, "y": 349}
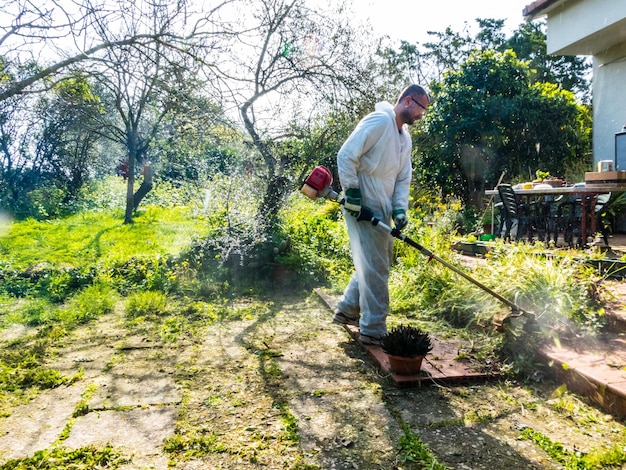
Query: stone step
{"x": 592, "y": 367}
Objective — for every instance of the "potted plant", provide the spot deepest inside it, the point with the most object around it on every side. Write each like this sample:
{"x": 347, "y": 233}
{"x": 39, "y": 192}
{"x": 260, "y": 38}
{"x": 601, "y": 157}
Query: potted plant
{"x": 406, "y": 346}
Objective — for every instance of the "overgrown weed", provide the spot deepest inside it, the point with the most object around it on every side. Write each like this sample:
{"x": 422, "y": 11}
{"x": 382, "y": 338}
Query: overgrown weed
{"x": 59, "y": 458}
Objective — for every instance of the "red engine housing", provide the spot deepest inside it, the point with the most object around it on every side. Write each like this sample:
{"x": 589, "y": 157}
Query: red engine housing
{"x": 317, "y": 182}
{"x": 320, "y": 178}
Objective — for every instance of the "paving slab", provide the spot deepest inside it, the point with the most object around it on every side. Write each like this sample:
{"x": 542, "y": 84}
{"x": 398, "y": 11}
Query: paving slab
{"x": 134, "y": 389}
{"x": 38, "y": 424}
{"x": 139, "y": 430}
{"x": 346, "y": 421}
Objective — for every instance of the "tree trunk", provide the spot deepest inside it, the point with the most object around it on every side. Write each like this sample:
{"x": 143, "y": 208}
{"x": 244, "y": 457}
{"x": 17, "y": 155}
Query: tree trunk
{"x": 270, "y": 206}
{"x": 128, "y": 215}
{"x": 146, "y": 186}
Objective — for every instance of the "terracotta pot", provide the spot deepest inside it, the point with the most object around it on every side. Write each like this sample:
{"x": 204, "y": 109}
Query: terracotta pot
{"x": 405, "y": 365}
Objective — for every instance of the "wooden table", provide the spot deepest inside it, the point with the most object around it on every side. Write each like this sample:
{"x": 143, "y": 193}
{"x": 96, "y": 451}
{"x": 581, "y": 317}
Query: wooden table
{"x": 591, "y": 191}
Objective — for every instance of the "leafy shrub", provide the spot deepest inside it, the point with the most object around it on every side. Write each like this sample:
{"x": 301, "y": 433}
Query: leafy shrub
{"x": 318, "y": 240}
{"x": 46, "y": 202}
{"x": 142, "y": 273}
{"x": 62, "y": 283}
{"x": 13, "y": 282}
{"x": 42, "y": 280}
{"x": 105, "y": 194}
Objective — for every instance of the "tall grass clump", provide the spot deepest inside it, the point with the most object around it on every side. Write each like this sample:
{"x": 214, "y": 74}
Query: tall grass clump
{"x": 28, "y": 312}
{"x": 557, "y": 288}
{"x": 87, "y": 305}
{"x": 142, "y": 305}
{"x": 423, "y": 288}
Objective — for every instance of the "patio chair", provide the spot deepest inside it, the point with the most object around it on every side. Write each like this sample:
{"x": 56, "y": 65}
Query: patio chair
{"x": 513, "y": 216}
{"x": 569, "y": 218}
{"x": 544, "y": 212}
{"x": 599, "y": 211}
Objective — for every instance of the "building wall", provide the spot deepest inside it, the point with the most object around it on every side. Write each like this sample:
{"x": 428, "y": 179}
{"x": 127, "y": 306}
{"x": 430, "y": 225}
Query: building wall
{"x": 586, "y": 27}
{"x": 609, "y": 101}
{"x": 596, "y": 28}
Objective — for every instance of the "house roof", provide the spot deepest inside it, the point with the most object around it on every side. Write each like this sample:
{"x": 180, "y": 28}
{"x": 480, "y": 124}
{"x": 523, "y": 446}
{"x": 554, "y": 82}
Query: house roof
{"x": 538, "y": 7}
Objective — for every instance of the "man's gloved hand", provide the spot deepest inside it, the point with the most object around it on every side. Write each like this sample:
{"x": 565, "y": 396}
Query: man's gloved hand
{"x": 399, "y": 218}
{"x": 353, "y": 202}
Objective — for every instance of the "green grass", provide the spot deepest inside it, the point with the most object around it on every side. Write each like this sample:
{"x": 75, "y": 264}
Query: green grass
{"x": 53, "y": 267}
{"x": 86, "y": 238}
{"x": 611, "y": 457}
{"x": 60, "y": 458}
{"x": 414, "y": 451}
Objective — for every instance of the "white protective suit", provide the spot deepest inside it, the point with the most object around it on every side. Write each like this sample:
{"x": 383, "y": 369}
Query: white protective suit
{"x": 377, "y": 159}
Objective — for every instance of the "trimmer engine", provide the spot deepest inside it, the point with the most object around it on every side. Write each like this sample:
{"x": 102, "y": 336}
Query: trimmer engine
{"x": 319, "y": 184}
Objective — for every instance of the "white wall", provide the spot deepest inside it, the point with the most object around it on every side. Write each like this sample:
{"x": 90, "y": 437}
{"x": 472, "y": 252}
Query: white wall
{"x": 609, "y": 101}
{"x": 586, "y": 27}
{"x": 597, "y": 28}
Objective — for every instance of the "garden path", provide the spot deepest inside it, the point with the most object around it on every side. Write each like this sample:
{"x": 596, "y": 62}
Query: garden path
{"x": 233, "y": 391}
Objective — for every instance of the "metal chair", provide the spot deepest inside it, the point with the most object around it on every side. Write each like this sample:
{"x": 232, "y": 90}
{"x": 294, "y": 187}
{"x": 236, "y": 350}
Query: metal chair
{"x": 599, "y": 210}
{"x": 569, "y": 217}
{"x": 544, "y": 211}
{"x": 513, "y": 218}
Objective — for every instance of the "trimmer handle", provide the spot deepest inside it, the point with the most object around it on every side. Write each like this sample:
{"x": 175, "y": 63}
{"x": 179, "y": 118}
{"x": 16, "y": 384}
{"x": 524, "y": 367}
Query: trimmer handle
{"x": 366, "y": 214}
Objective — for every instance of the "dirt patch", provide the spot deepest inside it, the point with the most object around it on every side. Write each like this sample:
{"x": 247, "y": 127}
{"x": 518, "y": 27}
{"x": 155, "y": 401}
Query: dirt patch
{"x": 284, "y": 389}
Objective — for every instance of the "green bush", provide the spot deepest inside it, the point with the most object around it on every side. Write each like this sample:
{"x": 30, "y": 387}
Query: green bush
{"x": 46, "y": 202}
{"x": 141, "y": 273}
{"x": 43, "y": 280}
{"x": 318, "y": 240}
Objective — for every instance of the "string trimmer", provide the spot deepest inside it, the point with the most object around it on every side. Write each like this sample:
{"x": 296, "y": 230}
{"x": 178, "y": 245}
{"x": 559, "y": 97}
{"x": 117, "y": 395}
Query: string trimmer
{"x": 319, "y": 184}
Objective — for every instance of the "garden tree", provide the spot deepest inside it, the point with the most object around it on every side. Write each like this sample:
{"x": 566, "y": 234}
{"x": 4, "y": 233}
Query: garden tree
{"x": 570, "y": 72}
{"x": 139, "y": 91}
{"x": 66, "y": 148}
{"x": 407, "y": 64}
{"x": 68, "y": 33}
{"x": 489, "y": 117}
{"x": 445, "y": 52}
{"x": 449, "y": 49}
{"x": 47, "y": 149}
{"x": 197, "y": 141}
{"x": 554, "y": 136}
{"x": 16, "y": 176}
{"x": 83, "y": 35}
{"x": 143, "y": 85}
{"x": 291, "y": 58}
{"x": 490, "y": 34}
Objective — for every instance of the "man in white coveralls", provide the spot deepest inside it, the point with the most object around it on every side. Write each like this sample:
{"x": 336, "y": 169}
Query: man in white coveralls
{"x": 374, "y": 167}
